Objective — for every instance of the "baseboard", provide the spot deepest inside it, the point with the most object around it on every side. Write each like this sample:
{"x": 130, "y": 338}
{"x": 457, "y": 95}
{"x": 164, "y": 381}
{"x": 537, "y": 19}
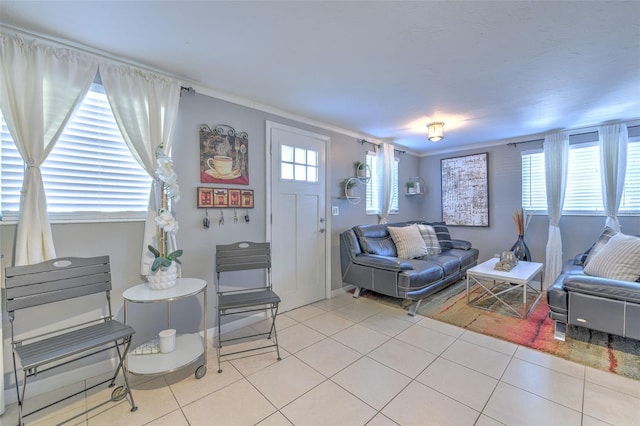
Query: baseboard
{"x": 342, "y": 290}
{"x": 69, "y": 377}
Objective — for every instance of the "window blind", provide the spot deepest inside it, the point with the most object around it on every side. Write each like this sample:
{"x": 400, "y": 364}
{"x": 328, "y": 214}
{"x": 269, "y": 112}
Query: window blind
{"x": 584, "y": 186}
{"x": 90, "y": 172}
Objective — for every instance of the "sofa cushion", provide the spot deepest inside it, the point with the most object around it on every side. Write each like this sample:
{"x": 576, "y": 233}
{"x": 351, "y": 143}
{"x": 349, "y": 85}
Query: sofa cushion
{"x": 375, "y": 239}
{"x": 442, "y": 232}
{"x": 409, "y": 242}
{"x": 618, "y": 259}
{"x": 597, "y": 246}
{"x": 430, "y": 239}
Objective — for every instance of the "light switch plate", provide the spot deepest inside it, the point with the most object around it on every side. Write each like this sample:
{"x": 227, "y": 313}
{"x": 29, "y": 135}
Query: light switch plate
{"x": 335, "y": 210}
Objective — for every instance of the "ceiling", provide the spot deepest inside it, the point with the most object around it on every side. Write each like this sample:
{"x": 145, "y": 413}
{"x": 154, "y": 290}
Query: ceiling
{"x": 492, "y": 71}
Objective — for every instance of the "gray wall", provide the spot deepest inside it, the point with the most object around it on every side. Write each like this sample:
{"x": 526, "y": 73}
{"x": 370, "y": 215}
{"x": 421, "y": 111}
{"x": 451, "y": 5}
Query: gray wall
{"x": 122, "y": 240}
{"x": 505, "y": 194}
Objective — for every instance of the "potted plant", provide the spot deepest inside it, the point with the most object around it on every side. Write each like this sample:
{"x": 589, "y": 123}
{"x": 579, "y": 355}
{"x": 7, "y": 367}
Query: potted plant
{"x": 164, "y": 270}
{"x": 411, "y": 187}
{"x": 361, "y": 169}
{"x": 348, "y": 186}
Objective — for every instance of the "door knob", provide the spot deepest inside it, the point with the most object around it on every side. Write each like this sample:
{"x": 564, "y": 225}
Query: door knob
{"x": 322, "y": 230}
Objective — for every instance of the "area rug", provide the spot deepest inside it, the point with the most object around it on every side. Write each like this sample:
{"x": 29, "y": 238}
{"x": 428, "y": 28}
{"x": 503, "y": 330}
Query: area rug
{"x": 595, "y": 349}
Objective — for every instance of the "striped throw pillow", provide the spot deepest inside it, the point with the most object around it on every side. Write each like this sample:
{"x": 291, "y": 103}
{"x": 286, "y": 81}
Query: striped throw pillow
{"x": 618, "y": 259}
{"x": 597, "y": 246}
{"x": 430, "y": 239}
{"x": 442, "y": 232}
{"x": 408, "y": 241}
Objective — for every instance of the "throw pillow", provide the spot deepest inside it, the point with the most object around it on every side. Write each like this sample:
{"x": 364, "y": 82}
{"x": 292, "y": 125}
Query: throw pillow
{"x": 597, "y": 246}
{"x": 442, "y": 232}
{"x": 618, "y": 259}
{"x": 430, "y": 239}
{"x": 409, "y": 242}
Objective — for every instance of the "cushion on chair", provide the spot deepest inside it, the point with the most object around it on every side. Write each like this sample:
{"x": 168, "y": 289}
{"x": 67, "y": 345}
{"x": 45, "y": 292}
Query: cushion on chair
{"x": 430, "y": 239}
{"x": 597, "y": 246}
{"x": 408, "y": 241}
{"x": 442, "y": 232}
{"x": 618, "y": 259}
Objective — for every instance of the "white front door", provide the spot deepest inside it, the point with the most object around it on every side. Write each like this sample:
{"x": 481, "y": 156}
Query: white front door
{"x": 298, "y": 228}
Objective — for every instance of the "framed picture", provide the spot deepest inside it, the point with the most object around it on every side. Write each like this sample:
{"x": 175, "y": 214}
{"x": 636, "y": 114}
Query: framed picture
{"x": 220, "y": 197}
{"x": 224, "y": 155}
{"x": 205, "y": 197}
{"x": 247, "y": 198}
{"x": 234, "y": 198}
{"x": 465, "y": 190}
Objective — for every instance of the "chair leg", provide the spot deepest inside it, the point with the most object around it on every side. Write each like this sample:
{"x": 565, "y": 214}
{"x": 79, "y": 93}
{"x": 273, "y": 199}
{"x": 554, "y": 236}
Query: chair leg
{"x": 122, "y": 357}
{"x": 219, "y": 345}
{"x": 414, "y": 307}
{"x": 274, "y": 314}
{"x": 560, "y": 330}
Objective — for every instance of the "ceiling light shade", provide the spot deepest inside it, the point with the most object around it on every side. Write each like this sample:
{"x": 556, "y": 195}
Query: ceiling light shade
{"x": 436, "y": 131}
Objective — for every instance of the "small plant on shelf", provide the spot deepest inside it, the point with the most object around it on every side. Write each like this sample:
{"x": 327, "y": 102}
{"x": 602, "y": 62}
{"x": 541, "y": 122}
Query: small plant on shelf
{"x": 411, "y": 187}
{"x": 348, "y": 185}
{"x": 361, "y": 169}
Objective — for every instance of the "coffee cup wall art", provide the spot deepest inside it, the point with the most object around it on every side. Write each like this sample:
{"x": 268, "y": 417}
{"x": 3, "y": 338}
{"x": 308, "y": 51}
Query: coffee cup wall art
{"x": 224, "y": 155}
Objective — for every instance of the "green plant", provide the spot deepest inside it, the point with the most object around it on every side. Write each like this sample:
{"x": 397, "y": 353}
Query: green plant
{"x": 349, "y": 183}
{"x": 411, "y": 184}
{"x": 164, "y": 261}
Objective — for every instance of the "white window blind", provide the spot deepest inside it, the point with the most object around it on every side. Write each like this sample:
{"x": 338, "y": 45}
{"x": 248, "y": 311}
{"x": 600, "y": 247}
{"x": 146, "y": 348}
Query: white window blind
{"x": 373, "y": 187}
{"x": 90, "y": 173}
{"x": 584, "y": 188}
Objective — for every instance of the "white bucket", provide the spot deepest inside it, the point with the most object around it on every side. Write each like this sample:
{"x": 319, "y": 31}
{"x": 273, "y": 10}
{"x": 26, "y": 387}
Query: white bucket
{"x": 167, "y": 340}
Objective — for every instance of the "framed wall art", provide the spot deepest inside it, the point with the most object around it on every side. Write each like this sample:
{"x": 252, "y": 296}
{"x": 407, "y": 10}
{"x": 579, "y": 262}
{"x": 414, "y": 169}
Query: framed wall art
{"x": 205, "y": 198}
{"x": 465, "y": 190}
{"x": 224, "y": 155}
{"x": 216, "y": 198}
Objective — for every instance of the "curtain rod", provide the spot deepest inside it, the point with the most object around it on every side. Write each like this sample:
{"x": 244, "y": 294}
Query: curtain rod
{"x": 376, "y": 146}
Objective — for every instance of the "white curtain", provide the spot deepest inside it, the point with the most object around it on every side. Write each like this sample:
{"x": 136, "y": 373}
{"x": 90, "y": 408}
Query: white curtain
{"x": 386, "y": 158}
{"x": 40, "y": 89}
{"x": 145, "y": 106}
{"x": 613, "y": 166}
{"x": 556, "y": 158}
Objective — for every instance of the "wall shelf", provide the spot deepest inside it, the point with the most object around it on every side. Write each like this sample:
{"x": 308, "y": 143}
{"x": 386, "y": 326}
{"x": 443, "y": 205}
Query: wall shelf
{"x": 419, "y": 186}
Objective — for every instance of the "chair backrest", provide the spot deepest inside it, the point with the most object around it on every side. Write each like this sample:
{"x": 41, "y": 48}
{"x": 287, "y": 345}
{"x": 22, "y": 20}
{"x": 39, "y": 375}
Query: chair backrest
{"x": 243, "y": 256}
{"x": 56, "y": 280}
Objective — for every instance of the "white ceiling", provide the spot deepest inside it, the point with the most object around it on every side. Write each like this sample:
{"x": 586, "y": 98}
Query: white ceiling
{"x": 492, "y": 71}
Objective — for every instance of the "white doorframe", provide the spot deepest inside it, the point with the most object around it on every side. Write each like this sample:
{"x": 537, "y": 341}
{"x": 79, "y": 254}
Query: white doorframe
{"x": 269, "y": 125}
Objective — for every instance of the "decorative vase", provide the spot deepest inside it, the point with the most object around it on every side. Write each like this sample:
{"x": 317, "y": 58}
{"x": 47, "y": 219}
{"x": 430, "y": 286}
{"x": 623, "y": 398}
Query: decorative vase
{"x": 163, "y": 278}
{"x": 520, "y": 249}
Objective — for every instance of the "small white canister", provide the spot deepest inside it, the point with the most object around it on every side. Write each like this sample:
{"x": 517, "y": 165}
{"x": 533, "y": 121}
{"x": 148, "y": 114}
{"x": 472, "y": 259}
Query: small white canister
{"x": 167, "y": 340}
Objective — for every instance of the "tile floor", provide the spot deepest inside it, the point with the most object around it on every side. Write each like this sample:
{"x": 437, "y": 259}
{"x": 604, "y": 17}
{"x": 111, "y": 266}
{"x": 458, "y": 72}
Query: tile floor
{"x": 352, "y": 361}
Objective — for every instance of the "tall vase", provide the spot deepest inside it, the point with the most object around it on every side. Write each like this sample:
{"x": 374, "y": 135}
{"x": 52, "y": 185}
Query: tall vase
{"x": 163, "y": 278}
{"x": 520, "y": 249}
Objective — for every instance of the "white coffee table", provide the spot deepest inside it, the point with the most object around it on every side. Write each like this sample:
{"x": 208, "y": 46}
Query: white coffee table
{"x": 498, "y": 283}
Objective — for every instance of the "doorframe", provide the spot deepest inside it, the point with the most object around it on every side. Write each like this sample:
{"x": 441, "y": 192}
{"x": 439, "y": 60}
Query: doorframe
{"x": 270, "y": 125}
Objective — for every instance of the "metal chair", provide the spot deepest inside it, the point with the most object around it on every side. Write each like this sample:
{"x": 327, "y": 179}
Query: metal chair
{"x": 250, "y": 297}
{"x": 53, "y": 281}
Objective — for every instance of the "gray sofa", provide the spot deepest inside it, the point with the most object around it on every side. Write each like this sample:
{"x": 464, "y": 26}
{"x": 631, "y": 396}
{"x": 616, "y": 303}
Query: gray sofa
{"x": 369, "y": 261}
{"x": 603, "y": 304}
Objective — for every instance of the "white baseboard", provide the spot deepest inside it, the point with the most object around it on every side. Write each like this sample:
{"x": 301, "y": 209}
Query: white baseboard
{"x": 342, "y": 290}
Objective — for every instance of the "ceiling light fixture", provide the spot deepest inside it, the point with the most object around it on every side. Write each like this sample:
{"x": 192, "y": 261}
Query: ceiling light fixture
{"x": 436, "y": 131}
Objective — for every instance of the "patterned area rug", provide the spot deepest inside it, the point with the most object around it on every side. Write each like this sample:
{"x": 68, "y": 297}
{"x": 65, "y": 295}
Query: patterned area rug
{"x": 592, "y": 348}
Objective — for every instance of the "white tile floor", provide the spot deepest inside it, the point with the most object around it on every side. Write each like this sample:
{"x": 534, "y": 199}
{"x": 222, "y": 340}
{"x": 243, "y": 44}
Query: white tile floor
{"x": 352, "y": 361}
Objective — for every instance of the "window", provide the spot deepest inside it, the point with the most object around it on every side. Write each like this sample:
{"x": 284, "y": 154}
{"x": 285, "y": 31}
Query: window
{"x": 90, "y": 173}
{"x": 298, "y": 164}
{"x": 373, "y": 187}
{"x": 583, "y": 193}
